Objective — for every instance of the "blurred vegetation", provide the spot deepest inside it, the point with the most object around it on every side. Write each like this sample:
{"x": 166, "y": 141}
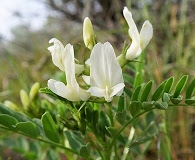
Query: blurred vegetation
{"x": 25, "y": 60}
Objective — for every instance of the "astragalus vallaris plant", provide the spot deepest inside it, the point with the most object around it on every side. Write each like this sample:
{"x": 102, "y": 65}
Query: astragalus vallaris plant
{"x": 102, "y": 111}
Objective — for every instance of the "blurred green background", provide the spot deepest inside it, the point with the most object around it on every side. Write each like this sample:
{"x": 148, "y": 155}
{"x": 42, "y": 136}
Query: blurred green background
{"x": 24, "y": 58}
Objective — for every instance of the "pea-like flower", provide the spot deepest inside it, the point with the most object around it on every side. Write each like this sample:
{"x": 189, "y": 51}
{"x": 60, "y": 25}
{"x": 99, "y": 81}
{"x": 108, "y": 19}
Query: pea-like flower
{"x": 71, "y": 91}
{"x": 139, "y": 40}
{"x": 57, "y": 52}
{"x": 106, "y": 78}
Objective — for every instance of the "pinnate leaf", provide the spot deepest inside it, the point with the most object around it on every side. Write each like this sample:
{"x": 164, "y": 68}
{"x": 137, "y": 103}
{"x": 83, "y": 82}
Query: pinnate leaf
{"x": 147, "y": 105}
{"x": 176, "y": 100}
{"x": 28, "y": 128}
{"x": 135, "y": 108}
{"x": 180, "y": 85}
{"x": 158, "y": 92}
{"x": 166, "y": 97}
{"x": 190, "y": 101}
{"x": 121, "y": 103}
{"x": 138, "y": 80}
{"x": 161, "y": 105}
{"x": 50, "y": 127}
{"x": 168, "y": 85}
{"x": 84, "y": 151}
{"x": 74, "y": 139}
{"x": 190, "y": 90}
{"x": 146, "y": 91}
{"x": 121, "y": 116}
{"x": 7, "y": 121}
{"x": 135, "y": 95}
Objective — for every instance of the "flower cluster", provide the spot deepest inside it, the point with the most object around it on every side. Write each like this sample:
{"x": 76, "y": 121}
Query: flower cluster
{"x": 105, "y": 79}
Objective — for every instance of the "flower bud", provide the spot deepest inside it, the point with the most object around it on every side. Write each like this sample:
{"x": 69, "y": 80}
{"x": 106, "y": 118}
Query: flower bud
{"x": 34, "y": 90}
{"x": 88, "y": 34}
{"x": 11, "y": 105}
{"x": 24, "y": 99}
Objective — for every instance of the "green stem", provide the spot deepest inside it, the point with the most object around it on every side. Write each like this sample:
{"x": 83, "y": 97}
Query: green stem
{"x": 96, "y": 147}
{"x": 181, "y": 105}
{"x": 42, "y": 140}
{"x": 122, "y": 60}
{"x": 167, "y": 137}
{"x": 124, "y": 126}
{"x": 115, "y": 150}
{"x": 109, "y": 106}
{"x": 107, "y": 153}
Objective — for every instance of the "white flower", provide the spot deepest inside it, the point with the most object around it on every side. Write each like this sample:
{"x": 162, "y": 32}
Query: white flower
{"x": 71, "y": 91}
{"x": 139, "y": 40}
{"x": 57, "y": 53}
{"x": 106, "y": 78}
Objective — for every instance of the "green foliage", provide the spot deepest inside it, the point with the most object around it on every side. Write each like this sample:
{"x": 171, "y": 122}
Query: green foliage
{"x": 161, "y": 105}
{"x": 168, "y": 85}
{"x": 28, "y": 128}
{"x": 138, "y": 79}
{"x": 135, "y": 95}
{"x": 180, "y": 86}
{"x": 85, "y": 151}
{"x": 158, "y": 92}
{"x": 146, "y": 90}
{"x": 49, "y": 127}
{"x": 17, "y": 123}
{"x": 121, "y": 117}
{"x": 75, "y": 140}
{"x": 190, "y": 98}
{"x": 163, "y": 91}
{"x": 134, "y": 108}
{"x": 100, "y": 122}
{"x": 7, "y": 121}
{"x": 190, "y": 90}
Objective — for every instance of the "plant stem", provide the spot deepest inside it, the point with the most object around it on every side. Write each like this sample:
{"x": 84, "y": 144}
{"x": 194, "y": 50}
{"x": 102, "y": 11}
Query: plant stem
{"x": 122, "y": 60}
{"x": 109, "y": 106}
{"x": 115, "y": 151}
{"x": 42, "y": 140}
{"x": 182, "y": 105}
{"x": 96, "y": 147}
{"x": 124, "y": 126}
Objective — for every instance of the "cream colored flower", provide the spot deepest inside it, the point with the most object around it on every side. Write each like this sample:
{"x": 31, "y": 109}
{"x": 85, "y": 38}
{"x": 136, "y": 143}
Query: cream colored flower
{"x": 139, "y": 40}
{"x": 57, "y": 52}
{"x": 71, "y": 91}
{"x": 106, "y": 78}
